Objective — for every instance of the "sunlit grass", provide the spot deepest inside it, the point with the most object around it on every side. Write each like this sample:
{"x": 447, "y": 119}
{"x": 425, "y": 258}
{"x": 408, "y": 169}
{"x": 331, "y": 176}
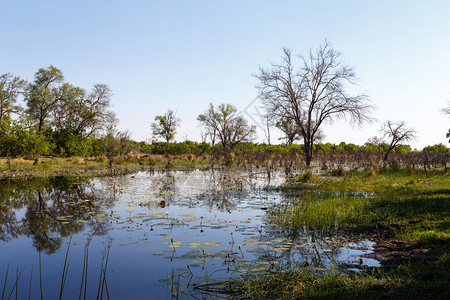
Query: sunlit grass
{"x": 298, "y": 284}
{"x": 410, "y": 206}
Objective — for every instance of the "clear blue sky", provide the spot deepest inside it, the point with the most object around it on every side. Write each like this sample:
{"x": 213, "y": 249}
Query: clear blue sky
{"x": 182, "y": 55}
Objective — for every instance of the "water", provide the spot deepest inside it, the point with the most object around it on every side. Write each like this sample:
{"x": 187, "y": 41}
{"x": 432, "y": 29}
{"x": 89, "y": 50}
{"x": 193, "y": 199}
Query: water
{"x": 152, "y": 235}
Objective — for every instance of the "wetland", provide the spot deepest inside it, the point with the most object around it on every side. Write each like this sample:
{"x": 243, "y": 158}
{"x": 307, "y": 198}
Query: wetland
{"x": 213, "y": 233}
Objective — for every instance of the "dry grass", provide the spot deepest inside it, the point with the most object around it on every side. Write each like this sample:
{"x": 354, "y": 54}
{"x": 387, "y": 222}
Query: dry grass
{"x": 77, "y": 159}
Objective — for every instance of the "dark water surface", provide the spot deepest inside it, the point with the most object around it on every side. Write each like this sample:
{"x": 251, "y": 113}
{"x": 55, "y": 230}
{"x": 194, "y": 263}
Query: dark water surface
{"x": 150, "y": 235}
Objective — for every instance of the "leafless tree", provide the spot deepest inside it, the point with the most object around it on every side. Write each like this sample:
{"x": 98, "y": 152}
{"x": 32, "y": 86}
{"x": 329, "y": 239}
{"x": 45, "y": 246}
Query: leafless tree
{"x": 267, "y": 123}
{"x": 230, "y": 127}
{"x": 395, "y": 133}
{"x": 313, "y": 94}
{"x": 10, "y": 88}
{"x": 165, "y": 126}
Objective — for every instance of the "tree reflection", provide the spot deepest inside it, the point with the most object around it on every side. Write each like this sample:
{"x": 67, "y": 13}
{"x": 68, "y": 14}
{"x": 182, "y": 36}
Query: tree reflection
{"x": 54, "y": 208}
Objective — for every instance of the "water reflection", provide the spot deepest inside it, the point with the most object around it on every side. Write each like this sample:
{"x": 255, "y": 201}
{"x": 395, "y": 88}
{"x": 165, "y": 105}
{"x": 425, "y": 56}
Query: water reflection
{"x": 172, "y": 228}
{"x": 51, "y": 209}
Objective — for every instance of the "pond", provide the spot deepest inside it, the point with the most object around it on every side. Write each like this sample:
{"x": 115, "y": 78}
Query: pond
{"x": 152, "y": 235}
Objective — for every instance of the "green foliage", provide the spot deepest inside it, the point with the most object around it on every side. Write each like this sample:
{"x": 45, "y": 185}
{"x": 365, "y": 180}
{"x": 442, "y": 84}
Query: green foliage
{"x": 438, "y": 148}
{"x": 15, "y": 141}
{"x": 226, "y": 125}
{"x": 10, "y": 88}
{"x": 42, "y": 95}
{"x": 69, "y": 144}
{"x": 165, "y": 126}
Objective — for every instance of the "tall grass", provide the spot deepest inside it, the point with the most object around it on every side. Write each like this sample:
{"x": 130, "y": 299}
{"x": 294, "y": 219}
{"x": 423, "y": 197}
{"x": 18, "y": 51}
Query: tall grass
{"x": 409, "y": 206}
{"x": 324, "y": 213}
{"x": 414, "y": 206}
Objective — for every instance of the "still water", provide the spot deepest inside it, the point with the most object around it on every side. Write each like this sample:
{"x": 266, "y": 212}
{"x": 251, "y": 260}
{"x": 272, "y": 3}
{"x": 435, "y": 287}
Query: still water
{"x": 151, "y": 235}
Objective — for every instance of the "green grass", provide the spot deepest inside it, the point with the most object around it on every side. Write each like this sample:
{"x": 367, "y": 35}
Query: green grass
{"x": 408, "y": 281}
{"x": 411, "y": 209}
{"x": 413, "y": 206}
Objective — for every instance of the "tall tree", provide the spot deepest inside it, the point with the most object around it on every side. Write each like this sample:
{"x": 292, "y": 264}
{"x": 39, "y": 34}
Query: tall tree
{"x": 10, "y": 88}
{"x": 313, "y": 94}
{"x": 84, "y": 115}
{"x": 395, "y": 133}
{"x": 230, "y": 127}
{"x": 42, "y": 95}
{"x": 165, "y": 126}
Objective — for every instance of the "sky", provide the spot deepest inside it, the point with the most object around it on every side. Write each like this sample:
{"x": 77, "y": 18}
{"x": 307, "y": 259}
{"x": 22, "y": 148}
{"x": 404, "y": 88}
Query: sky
{"x": 183, "y": 55}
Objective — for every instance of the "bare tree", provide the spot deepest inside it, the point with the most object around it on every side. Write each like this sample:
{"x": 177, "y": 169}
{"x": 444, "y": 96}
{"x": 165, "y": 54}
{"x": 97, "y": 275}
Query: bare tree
{"x": 165, "y": 126}
{"x": 10, "y": 88}
{"x": 230, "y": 127}
{"x": 267, "y": 123}
{"x": 395, "y": 133}
{"x": 313, "y": 94}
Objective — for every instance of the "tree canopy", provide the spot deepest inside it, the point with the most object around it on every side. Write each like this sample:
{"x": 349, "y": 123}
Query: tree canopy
{"x": 165, "y": 126}
{"x": 227, "y": 125}
{"x": 312, "y": 94}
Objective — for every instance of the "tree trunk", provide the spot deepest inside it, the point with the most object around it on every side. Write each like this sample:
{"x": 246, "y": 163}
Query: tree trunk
{"x": 308, "y": 153}
{"x": 36, "y": 159}
{"x": 387, "y": 154}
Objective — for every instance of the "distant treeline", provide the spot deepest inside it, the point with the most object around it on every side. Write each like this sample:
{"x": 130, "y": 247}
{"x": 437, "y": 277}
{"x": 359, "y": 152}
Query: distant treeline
{"x": 63, "y": 120}
{"x": 66, "y": 145}
{"x": 189, "y": 147}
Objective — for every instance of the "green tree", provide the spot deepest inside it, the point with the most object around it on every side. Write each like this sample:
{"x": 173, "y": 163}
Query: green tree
{"x": 111, "y": 144}
{"x": 165, "y": 126}
{"x": 42, "y": 95}
{"x": 289, "y": 128}
{"x": 10, "y": 88}
{"x": 84, "y": 115}
{"x": 16, "y": 140}
{"x": 77, "y": 117}
{"x": 230, "y": 127}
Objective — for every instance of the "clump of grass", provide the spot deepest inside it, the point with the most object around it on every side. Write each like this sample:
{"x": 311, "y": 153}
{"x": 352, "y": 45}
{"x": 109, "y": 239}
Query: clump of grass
{"x": 324, "y": 212}
{"x": 302, "y": 284}
{"x": 77, "y": 160}
{"x": 427, "y": 236}
{"x": 118, "y": 160}
{"x": 340, "y": 171}
{"x": 306, "y": 177}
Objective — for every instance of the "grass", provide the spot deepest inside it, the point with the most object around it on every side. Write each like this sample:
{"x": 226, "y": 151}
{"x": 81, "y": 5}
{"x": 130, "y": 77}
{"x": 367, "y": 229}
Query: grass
{"x": 407, "y": 213}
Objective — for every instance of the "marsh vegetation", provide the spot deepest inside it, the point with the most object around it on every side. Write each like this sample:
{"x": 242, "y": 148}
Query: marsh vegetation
{"x": 226, "y": 233}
